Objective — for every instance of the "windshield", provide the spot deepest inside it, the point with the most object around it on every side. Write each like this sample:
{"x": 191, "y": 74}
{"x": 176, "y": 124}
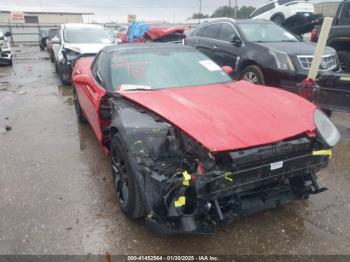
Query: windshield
{"x": 265, "y": 32}
{"x": 163, "y": 68}
{"x": 87, "y": 35}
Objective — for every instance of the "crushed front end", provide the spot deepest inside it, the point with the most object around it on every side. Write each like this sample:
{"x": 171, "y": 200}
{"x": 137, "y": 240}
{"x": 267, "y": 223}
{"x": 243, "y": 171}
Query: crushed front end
{"x": 190, "y": 190}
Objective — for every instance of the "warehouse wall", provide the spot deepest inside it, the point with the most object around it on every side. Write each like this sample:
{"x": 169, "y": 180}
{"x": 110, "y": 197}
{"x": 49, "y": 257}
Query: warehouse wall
{"x": 28, "y": 33}
{"x": 327, "y": 8}
{"x": 58, "y": 18}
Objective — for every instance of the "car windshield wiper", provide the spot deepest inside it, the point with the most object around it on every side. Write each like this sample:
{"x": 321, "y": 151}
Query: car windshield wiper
{"x": 135, "y": 88}
{"x": 289, "y": 41}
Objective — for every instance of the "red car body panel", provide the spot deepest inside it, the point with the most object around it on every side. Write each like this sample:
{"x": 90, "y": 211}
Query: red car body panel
{"x": 157, "y": 33}
{"x": 232, "y": 116}
{"x": 89, "y": 96}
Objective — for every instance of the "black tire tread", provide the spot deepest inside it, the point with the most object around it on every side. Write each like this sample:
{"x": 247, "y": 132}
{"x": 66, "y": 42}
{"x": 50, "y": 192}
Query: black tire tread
{"x": 257, "y": 71}
{"x": 135, "y": 208}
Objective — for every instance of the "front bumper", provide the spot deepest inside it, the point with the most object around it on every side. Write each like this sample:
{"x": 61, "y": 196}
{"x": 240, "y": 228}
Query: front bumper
{"x": 5, "y": 57}
{"x": 221, "y": 197}
{"x": 331, "y": 91}
{"x": 66, "y": 69}
{"x": 284, "y": 79}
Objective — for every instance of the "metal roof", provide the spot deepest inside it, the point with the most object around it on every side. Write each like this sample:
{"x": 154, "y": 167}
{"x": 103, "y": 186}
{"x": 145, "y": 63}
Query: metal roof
{"x": 45, "y": 10}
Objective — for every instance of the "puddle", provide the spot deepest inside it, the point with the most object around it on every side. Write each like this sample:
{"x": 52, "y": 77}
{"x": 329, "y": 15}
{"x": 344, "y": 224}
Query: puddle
{"x": 64, "y": 90}
{"x": 4, "y": 86}
{"x": 70, "y": 101}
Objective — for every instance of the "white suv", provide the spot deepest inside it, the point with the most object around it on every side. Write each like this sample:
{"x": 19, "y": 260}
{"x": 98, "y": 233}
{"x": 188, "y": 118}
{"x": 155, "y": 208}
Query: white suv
{"x": 74, "y": 41}
{"x": 279, "y": 10}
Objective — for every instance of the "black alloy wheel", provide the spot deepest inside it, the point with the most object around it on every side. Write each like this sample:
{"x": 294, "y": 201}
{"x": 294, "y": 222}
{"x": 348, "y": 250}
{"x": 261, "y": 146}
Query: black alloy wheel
{"x": 78, "y": 112}
{"x": 125, "y": 185}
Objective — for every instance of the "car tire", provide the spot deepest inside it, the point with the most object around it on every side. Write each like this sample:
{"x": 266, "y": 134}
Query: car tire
{"x": 328, "y": 112}
{"x": 56, "y": 68}
{"x": 11, "y": 62}
{"x": 344, "y": 60}
{"x": 52, "y": 57}
{"x": 63, "y": 79}
{"x": 253, "y": 74}
{"x": 78, "y": 111}
{"x": 278, "y": 19}
{"x": 124, "y": 180}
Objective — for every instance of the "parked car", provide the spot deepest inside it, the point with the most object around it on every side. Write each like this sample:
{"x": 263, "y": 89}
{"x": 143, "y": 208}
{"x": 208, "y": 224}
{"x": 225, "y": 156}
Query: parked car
{"x": 139, "y": 32}
{"x": 43, "y": 36}
{"x": 76, "y": 40}
{"x": 260, "y": 51}
{"x": 339, "y": 36}
{"x": 122, "y": 34}
{"x": 52, "y": 33}
{"x": 5, "y": 49}
{"x": 279, "y": 10}
{"x": 330, "y": 91}
{"x": 190, "y": 148}
{"x": 300, "y": 24}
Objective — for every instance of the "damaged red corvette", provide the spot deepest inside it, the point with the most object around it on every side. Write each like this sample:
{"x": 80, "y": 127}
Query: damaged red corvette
{"x": 191, "y": 149}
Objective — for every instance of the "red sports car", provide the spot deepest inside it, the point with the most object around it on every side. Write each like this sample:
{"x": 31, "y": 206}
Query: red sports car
{"x": 190, "y": 148}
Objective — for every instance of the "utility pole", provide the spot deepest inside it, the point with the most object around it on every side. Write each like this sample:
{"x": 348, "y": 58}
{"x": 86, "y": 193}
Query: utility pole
{"x": 229, "y": 9}
{"x": 200, "y": 6}
{"x": 236, "y": 8}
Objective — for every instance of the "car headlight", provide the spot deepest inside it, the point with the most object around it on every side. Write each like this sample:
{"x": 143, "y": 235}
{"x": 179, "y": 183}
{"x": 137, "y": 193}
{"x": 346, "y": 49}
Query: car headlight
{"x": 326, "y": 129}
{"x": 283, "y": 61}
{"x": 71, "y": 54}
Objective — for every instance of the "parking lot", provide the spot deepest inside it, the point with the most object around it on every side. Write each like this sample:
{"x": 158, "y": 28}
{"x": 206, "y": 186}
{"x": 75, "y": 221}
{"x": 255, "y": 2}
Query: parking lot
{"x": 57, "y": 196}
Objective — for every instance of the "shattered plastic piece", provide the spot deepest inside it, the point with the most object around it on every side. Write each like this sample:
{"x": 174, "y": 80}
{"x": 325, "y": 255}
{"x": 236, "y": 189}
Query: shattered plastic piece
{"x": 180, "y": 202}
{"x": 323, "y": 153}
{"x": 229, "y": 176}
{"x": 187, "y": 178}
{"x": 138, "y": 142}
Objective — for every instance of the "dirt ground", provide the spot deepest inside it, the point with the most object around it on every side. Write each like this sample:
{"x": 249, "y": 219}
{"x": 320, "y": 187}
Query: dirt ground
{"x": 57, "y": 197}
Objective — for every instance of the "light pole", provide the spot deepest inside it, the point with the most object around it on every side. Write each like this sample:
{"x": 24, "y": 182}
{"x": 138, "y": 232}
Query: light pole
{"x": 236, "y": 8}
{"x": 200, "y": 7}
{"x": 229, "y": 9}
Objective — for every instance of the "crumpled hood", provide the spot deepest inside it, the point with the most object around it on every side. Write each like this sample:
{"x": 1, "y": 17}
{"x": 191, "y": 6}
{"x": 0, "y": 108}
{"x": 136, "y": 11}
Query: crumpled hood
{"x": 86, "y": 48}
{"x": 157, "y": 33}
{"x": 227, "y": 117}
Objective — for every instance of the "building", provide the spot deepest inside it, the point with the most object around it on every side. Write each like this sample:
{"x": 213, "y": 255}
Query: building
{"x": 25, "y": 24}
{"x": 327, "y": 8}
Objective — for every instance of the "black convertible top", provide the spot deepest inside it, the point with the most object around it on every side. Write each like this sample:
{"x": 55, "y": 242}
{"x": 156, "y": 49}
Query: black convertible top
{"x": 136, "y": 46}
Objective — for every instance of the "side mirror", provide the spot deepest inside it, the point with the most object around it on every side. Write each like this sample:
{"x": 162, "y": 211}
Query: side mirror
{"x": 82, "y": 80}
{"x": 236, "y": 41}
{"x": 228, "y": 70}
{"x": 7, "y": 34}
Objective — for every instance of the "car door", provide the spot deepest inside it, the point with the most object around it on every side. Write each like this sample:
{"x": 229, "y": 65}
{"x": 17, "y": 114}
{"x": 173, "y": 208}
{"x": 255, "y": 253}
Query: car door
{"x": 205, "y": 39}
{"x": 227, "y": 52}
{"x": 90, "y": 95}
{"x": 345, "y": 14}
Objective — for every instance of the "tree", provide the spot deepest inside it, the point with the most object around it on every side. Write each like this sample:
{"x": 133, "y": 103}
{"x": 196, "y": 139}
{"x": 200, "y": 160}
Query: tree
{"x": 225, "y": 11}
{"x": 199, "y": 16}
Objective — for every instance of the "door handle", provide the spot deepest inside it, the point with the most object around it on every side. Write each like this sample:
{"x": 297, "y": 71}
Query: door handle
{"x": 215, "y": 47}
{"x": 197, "y": 41}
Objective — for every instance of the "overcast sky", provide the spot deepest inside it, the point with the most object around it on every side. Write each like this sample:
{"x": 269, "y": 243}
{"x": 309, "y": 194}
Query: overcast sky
{"x": 144, "y": 9}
